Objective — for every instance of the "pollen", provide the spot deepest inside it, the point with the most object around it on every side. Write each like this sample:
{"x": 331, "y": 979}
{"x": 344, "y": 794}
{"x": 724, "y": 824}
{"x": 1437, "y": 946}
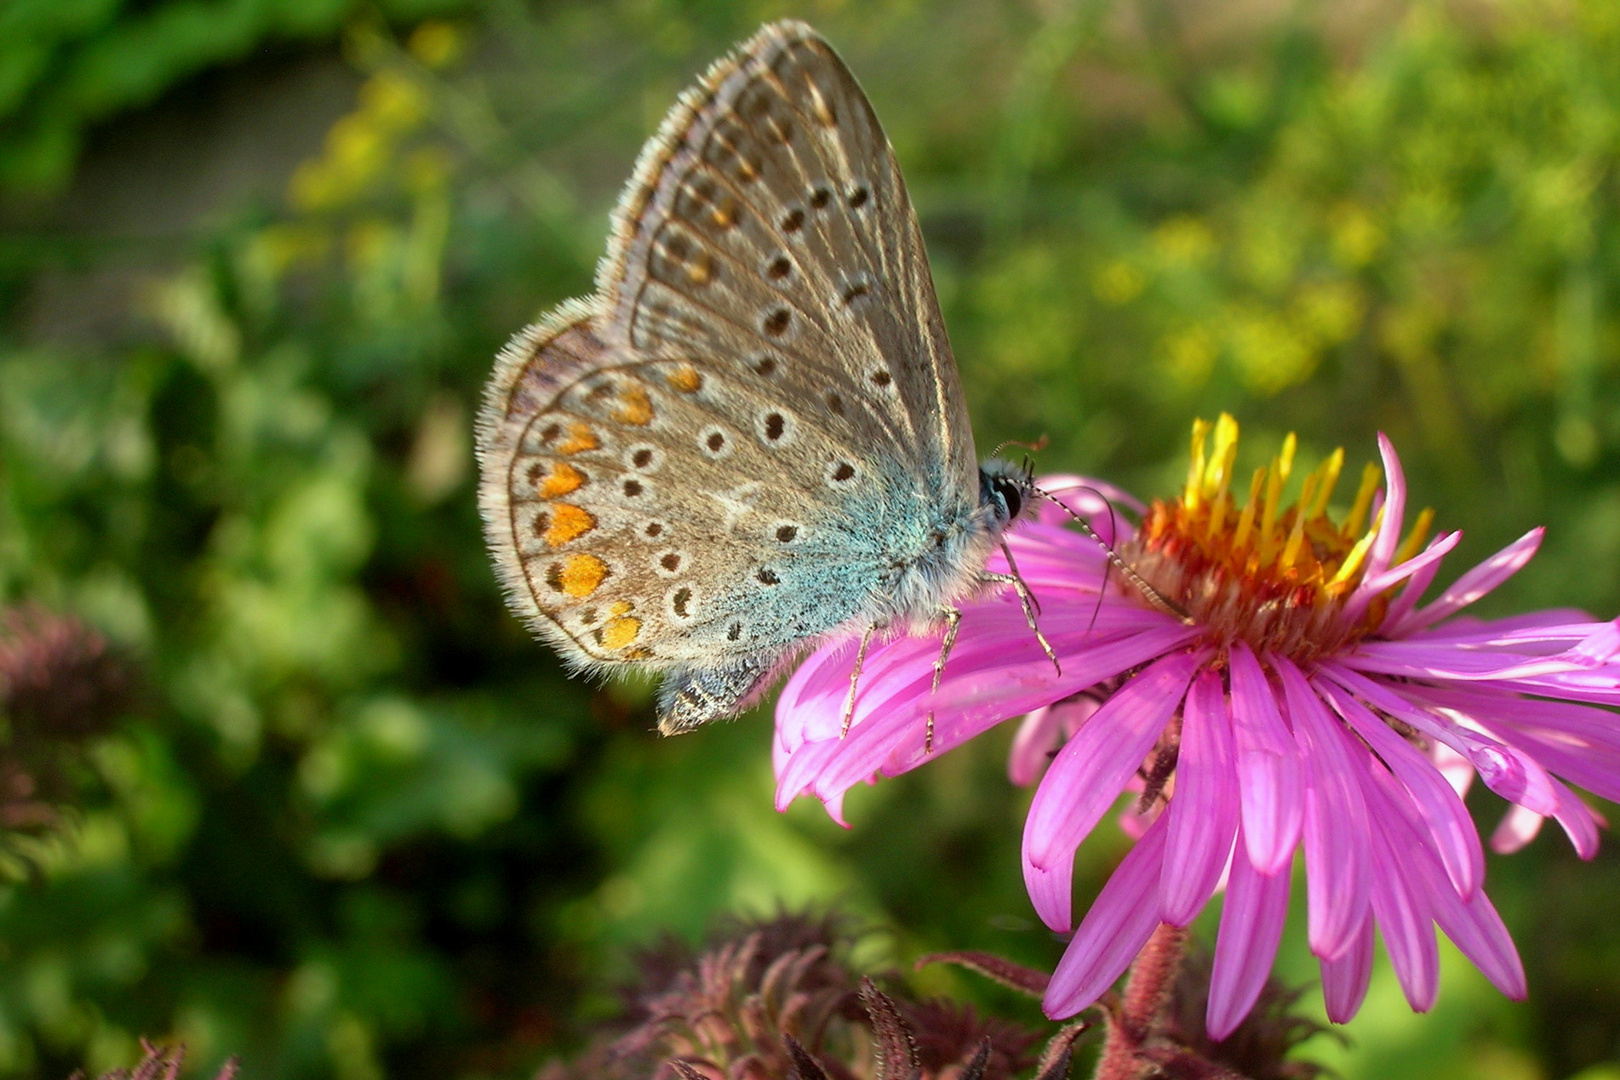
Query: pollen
{"x": 1274, "y": 574}
{"x": 619, "y": 632}
{"x": 580, "y": 439}
{"x": 563, "y": 479}
{"x": 635, "y": 407}
{"x": 685, "y": 379}
{"x": 578, "y": 575}
{"x": 568, "y": 523}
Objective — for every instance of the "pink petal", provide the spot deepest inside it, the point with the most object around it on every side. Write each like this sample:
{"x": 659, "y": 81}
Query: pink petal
{"x": 1516, "y": 829}
{"x": 1404, "y": 923}
{"x": 1506, "y": 770}
{"x": 1204, "y": 810}
{"x": 1051, "y": 890}
{"x": 1336, "y": 825}
{"x": 1418, "y": 659}
{"x": 1092, "y": 768}
{"x": 1041, "y": 733}
{"x": 1120, "y": 921}
{"x": 1580, "y": 823}
{"x": 1400, "y": 607}
{"x": 1271, "y": 779}
{"x": 1453, "y": 766}
{"x": 1345, "y": 980}
{"x": 1474, "y": 925}
{"x": 1252, "y": 920}
{"x": 1389, "y": 529}
{"x": 1424, "y": 563}
{"x": 1430, "y": 556}
{"x": 1476, "y": 582}
{"x": 1035, "y": 742}
{"x": 978, "y": 691}
{"x": 1443, "y": 812}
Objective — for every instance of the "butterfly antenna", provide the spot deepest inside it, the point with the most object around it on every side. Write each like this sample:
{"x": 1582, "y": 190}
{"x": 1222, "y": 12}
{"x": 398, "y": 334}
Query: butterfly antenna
{"x": 1035, "y": 447}
{"x": 1128, "y": 572}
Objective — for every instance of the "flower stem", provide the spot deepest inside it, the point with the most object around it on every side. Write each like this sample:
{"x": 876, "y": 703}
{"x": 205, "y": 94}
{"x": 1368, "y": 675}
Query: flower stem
{"x": 1152, "y": 975}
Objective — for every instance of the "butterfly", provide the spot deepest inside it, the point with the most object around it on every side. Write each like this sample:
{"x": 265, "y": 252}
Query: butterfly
{"x": 753, "y": 436}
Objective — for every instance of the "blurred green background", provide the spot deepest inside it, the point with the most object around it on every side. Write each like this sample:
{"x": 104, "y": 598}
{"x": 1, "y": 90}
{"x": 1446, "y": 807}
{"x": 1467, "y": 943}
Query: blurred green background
{"x": 256, "y": 256}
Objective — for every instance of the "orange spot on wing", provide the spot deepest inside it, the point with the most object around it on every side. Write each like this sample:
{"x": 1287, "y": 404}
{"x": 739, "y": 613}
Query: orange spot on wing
{"x": 634, "y": 407}
{"x": 686, "y": 379}
{"x": 577, "y": 575}
{"x": 619, "y": 632}
{"x": 568, "y": 523}
{"x": 561, "y": 480}
{"x": 620, "y": 607}
{"x": 580, "y": 438}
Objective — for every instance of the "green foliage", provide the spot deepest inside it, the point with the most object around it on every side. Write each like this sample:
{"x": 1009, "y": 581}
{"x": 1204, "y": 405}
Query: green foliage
{"x": 68, "y": 64}
{"x": 363, "y": 826}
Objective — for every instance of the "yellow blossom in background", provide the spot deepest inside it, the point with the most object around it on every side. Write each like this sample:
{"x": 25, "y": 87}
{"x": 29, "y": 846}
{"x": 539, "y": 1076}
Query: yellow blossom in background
{"x": 1184, "y": 240}
{"x": 436, "y": 43}
{"x": 1118, "y": 283}
{"x": 1268, "y": 353}
{"x": 1189, "y": 355}
{"x": 1356, "y": 237}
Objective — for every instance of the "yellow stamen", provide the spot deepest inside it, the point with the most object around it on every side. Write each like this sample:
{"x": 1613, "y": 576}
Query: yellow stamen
{"x": 1296, "y": 535}
{"x": 1370, "y": 477}
{"x": 1268, "y": 509}
{"x": 1330, "y": 470}
{"x": 1245, "y": 525}
{"x": 1414, "y": 539}
{"x": 1195, "y": 467}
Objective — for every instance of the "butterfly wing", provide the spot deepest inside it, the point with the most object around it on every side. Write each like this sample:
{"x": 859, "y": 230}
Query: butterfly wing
{"x": 711, "y": 461}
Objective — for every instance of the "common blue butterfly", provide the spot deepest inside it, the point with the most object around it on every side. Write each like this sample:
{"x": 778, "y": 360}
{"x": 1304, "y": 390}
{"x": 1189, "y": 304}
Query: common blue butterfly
{"x": 752, "y": 436}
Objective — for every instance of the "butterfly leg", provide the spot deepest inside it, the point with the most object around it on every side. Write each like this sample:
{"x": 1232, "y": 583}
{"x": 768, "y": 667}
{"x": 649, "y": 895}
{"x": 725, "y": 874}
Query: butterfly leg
{"x": 1027, "y": 599}
{"x": 855, "y": 676}
{"x": 953, "y": 623}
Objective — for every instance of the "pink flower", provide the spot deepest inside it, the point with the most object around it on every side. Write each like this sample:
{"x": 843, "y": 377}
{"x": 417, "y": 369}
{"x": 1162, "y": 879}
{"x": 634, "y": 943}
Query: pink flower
{"x": 1309, "y": 702}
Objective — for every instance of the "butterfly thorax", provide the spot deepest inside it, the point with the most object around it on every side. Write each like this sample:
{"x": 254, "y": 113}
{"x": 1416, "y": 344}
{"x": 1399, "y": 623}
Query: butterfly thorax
{"x": 944, "y": 560}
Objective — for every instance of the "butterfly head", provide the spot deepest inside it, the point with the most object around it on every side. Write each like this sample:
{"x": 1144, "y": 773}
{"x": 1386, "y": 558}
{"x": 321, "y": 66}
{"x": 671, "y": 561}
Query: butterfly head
{"x": 1005, "y": 488}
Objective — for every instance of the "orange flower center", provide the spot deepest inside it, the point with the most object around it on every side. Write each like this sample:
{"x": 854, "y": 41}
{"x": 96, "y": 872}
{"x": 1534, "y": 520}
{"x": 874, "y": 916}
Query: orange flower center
{"x": 1271, "y": 574}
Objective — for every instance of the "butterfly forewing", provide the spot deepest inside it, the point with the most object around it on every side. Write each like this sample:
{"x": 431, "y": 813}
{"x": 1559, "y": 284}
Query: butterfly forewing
{"x": 769, "y": 218}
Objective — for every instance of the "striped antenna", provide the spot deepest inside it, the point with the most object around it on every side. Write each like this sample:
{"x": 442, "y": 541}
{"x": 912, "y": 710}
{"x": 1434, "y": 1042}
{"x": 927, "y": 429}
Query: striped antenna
{"x": 1154, "y": 596}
